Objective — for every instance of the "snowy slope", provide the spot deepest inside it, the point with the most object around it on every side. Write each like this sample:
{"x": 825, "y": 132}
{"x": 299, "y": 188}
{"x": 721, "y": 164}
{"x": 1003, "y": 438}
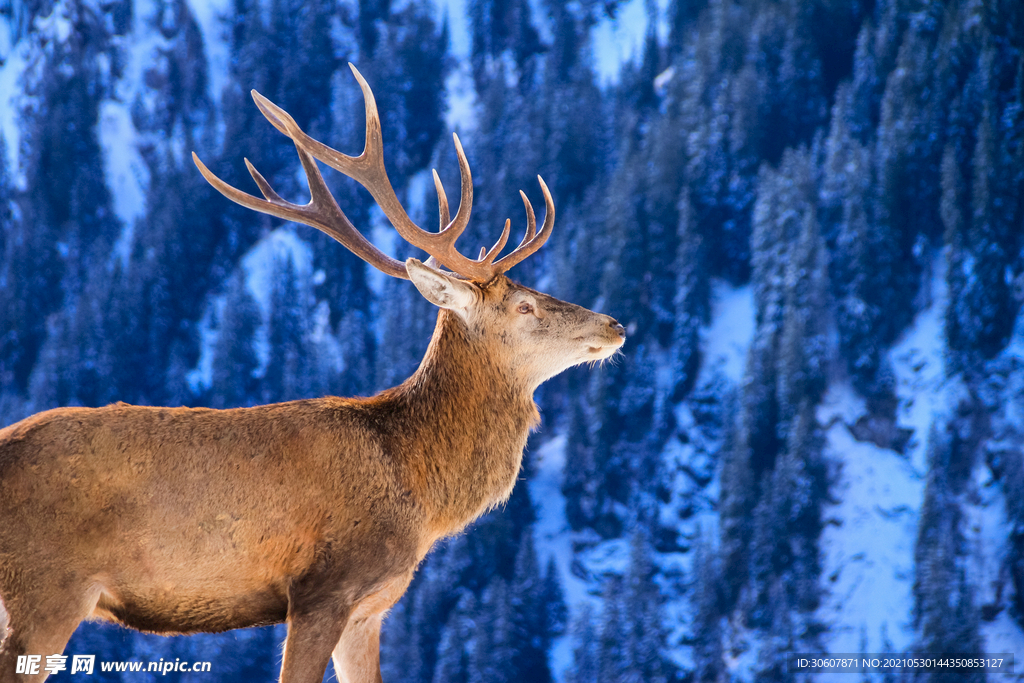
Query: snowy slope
{"x": 868, "y": 543}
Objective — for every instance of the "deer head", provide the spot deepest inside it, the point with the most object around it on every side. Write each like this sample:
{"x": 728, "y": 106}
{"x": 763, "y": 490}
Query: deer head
{"x": 534, "y": 334}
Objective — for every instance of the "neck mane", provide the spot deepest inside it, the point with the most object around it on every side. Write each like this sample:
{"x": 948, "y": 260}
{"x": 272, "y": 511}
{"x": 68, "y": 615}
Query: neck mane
{"x": 469, "y": 419}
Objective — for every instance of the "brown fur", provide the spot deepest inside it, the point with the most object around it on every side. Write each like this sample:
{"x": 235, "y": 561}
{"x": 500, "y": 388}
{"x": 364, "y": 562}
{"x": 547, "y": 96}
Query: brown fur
{"x": 314, "y": 512}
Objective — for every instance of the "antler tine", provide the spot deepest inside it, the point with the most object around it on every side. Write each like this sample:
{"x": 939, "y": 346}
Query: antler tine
{"x": 442, "y": 209}
{"x": 488, "y": 256}
{"x": 531, "y": 220}
{"x": 531, "y": 241}
{"x": 466, "y": 191}
{"x": 442, "y": 201}
{"x": 265, "y": 188}
{"x": 322, "y": 212}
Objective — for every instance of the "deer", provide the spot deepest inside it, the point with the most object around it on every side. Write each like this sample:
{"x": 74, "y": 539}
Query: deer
{"x": 315, "y": 512}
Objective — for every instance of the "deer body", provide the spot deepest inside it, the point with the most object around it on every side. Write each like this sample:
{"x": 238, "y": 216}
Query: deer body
{"x": 314, "y": 512}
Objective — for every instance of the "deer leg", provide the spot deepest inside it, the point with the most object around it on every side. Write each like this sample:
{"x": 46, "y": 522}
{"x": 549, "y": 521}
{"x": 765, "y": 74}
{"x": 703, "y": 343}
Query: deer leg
{"x": 41, "y": 625}
{"x": 316, "y": 619}
{"x": 357, "y": 656}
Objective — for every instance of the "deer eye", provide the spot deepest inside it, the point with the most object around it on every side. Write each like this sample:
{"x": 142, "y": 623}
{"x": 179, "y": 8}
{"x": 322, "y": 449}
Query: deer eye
{"x": 524, "y": 308}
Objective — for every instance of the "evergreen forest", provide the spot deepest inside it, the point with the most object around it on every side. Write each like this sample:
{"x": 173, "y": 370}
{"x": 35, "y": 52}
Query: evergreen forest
{"x": 808, "y": 214}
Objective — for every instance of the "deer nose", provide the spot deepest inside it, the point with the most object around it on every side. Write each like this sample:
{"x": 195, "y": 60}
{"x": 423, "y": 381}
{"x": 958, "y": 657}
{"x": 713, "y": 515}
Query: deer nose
{"x": 618, "y": 328}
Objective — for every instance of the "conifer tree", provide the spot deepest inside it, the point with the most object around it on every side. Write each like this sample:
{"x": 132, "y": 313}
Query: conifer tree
{"x": 294, "y": 369}
{"x": 495, "y": 651}
{"x": 455, "y": 647}
{"x": 800, "y": 88}
{"x": 6, "y": 198}
{"x": 9, "y": 232}
{"x": 780, "y": 642}
{"x": 709, "y": 666}
{"x": 303, "y": 41}
{"x": 692, "y": 300}
{"x": 178, "y": 80}
{"x": 235, "y": 360}
{"x": 645, "y": 633}
{"x": 255, "y": 65}
{"x": 65, "y": 210}
{"x": 586, "y": 655}
{"x": 552, "y": 598}
{"x": 580, "y": 484}
{"x": 983, "y": 243}
{"x": 165, "y": 284}
{"x": 736, "y": 516}
{"x": 612, "y": 657}
{"x": 573, "y": 146}
{"x": 848, "y": 222}
{"x": 908, "y": 158}
{"x": 529, "y": 615}
{"x": 944, "y": 611}
{"x": 399, "y": 645}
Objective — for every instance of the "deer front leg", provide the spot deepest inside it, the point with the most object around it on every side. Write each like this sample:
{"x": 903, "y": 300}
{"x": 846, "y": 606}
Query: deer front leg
{"x": 357, "y": 656}
{"x": 316, "y": 618}
{"x": 40, "y": 623}
{"x": 311, "y": 637}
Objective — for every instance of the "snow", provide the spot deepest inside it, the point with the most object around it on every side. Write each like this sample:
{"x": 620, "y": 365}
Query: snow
{"x": 986, "y": 530}
{"x": 5, "y": 40}
{"x": 917, "y": 361}
{"x": 867, "y": 546}
{"x": 200, "y": 378}
{"x": 724, "y": 343}
{"x": 261, "y": 264}
{"x": 57, "y": 24}
{"x": 126, "y": 173}
{"x": 553, "y": 540}
{"x": 17, "y": 59}
{"x": 259, "y": 267}
{"x": 615, "y": 41}
{"x": 462, "y": 103}
{"x": 384, "y": 237}
{"x": 209, "y": 15}
{"x": 619, "y": 41}
{"x": 458, "y": 26}
{"x": 10, "y": 106}
{"x": 622, "y": 40}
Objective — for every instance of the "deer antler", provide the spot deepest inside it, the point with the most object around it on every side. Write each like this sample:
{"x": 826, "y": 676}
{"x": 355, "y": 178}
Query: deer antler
{"x": 322, "y": 211}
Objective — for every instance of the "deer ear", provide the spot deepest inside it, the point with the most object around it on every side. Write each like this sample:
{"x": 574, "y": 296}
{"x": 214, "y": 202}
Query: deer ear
{"x": 440, "y": 288}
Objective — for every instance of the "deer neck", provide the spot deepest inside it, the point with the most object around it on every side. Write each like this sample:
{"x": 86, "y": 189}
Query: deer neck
{"x": 471, "y": 420}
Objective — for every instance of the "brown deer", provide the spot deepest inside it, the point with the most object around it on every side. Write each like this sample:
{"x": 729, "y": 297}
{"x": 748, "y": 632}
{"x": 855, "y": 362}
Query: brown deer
{"x": 313, "y": 512}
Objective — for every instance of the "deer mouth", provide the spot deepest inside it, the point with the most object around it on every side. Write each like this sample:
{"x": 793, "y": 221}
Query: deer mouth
{"x": 604, "y": 350}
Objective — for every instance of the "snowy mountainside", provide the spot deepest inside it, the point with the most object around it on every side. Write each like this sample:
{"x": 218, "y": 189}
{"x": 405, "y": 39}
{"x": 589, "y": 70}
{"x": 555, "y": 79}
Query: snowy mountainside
{"x": 871, "y": 526}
